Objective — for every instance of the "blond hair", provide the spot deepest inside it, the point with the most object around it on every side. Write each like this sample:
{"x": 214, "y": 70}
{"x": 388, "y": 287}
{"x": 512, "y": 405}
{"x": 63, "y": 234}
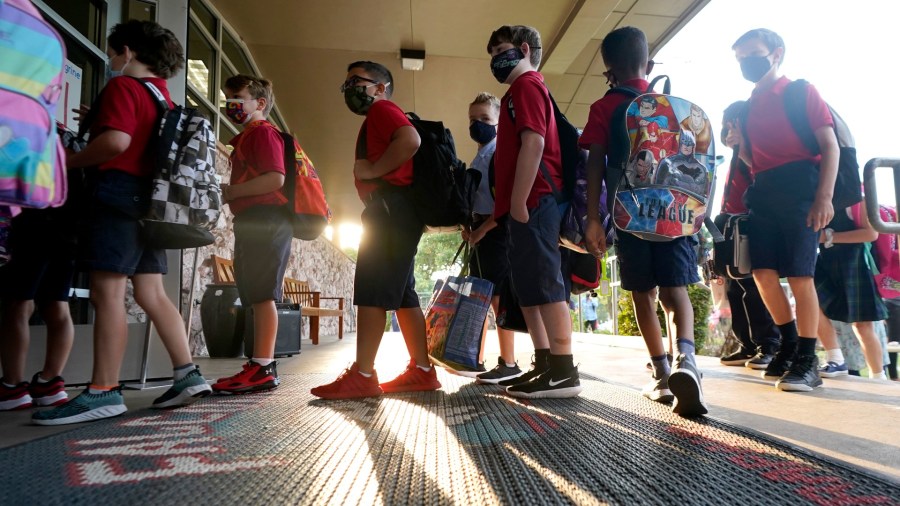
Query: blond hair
{"x": 487, "y": 98}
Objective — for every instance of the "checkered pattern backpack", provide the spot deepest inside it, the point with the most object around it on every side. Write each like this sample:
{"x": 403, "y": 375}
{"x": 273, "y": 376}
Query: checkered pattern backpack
{"x": 186, "y": 200}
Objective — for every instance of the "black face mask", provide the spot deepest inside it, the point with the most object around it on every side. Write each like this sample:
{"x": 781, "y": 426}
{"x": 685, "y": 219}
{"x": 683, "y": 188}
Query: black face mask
{"x": 753, "y": 68}
{"x": 503, "y": 64}
{"x": 481, "y": 132}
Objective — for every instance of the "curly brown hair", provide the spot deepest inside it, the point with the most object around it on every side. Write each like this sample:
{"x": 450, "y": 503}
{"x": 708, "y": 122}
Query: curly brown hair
{"x": 153, "y": 45}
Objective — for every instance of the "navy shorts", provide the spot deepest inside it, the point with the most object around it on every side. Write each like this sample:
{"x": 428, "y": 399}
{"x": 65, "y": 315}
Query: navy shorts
{"x": 534, "y": 260}
{"x": 43, "y": 257}
{"x": 262, "y": 248}
{"x": 779, "y": 201}
{"x": 385, "y": 275}
{"x": 113, "y": 240}
{"x": 644, "y": 265}
{"x": 490, "y": 261}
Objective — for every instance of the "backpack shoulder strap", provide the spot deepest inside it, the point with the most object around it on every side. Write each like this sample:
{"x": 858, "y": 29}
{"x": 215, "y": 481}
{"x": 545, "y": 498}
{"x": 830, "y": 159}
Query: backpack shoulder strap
{"x": 667, "y": 88}
{"x": 795, "y": 108}
{"x": 290, "y": 171}
{"x": 157, "y": 95}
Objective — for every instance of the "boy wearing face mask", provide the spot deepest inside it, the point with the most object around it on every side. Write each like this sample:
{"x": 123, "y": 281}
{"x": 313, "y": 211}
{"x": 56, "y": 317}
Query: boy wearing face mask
{"x": 488, "y": 239}
{"x": 384, "y": 278}
{"x": 527, "y": 166}
{"x": 262, "y": 227}
{"x": 644, "y": 266}
{"x": 789, "y": 202}
{"x": 114, "y": 248}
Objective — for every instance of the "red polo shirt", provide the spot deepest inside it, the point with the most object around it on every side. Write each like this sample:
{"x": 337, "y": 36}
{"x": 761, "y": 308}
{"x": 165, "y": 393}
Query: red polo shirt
{"x": 772, "y": 138}
{"x": 127, "y": 106}
{"x": 257, "y": 150}
{"x": 382, "y": 120}
{"x": 597, "y": 130}
{"x": 528, "y": 101}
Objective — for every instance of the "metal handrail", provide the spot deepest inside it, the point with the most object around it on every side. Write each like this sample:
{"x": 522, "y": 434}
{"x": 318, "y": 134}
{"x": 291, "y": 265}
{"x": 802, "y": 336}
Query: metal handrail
{"x": 872, "y": 193}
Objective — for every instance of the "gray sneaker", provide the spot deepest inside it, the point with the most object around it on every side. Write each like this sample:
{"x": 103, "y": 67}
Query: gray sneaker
{"x": 84, "y": 408}
{"x": 184, "y": 391}
{"x": 685, "y": 385}
{"x": 658, "y": 389}
{"x": 499, "y": 373}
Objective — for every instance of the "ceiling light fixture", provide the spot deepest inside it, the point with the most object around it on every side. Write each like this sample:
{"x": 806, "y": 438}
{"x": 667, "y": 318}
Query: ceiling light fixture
{"x": 412, "y": 59}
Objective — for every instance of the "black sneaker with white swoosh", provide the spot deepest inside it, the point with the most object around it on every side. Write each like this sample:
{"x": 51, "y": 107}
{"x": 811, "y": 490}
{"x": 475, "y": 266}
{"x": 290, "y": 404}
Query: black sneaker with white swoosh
{"x": 546, "y": 386}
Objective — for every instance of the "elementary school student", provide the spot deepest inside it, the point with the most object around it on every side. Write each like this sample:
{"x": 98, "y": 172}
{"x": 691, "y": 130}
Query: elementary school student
{"x": 385, "y": 279}
{"x": 114, "y": 249}
{"x": 790, "y": 203}
{"x": 489, "y": 240}
{"x": 528, "y": 166}
{"x": 262, "y": 227}
{"x": 643, "y": 265}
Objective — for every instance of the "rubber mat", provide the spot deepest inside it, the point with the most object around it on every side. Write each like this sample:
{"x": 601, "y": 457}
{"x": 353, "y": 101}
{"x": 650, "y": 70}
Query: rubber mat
{"x": 466, "y": 444}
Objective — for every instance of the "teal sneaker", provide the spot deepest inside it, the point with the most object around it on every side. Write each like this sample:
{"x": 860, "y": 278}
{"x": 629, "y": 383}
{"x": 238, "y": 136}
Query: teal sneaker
{"x": 84, "y": 408}
{"x": 184, "y": 391}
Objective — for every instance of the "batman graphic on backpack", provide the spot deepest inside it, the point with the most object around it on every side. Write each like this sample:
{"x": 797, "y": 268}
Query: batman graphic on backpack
{"x": 660, "y": 166}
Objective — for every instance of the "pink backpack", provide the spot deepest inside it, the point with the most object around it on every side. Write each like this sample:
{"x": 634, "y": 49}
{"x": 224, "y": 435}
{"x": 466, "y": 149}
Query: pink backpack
{"x": 886, "y": 268}
{"x": 32, "y": 161}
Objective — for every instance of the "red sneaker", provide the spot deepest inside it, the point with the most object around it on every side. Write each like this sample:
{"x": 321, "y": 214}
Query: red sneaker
{"x": 412, "y": 379}
{"x": 349, "y": 385}
{"x": 253, "y": 378}
{"x": 51, "y": 393}
{"x": 16, "y": 397}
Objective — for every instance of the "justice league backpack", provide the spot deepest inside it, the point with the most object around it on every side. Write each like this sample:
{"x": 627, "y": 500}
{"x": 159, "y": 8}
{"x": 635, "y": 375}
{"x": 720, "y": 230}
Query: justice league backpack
{"x": 661, "y": 165}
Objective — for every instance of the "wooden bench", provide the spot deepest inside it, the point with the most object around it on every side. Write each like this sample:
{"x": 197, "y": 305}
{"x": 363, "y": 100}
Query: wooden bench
{"x": 295, "y": 291}
{"x": 298, "y": 292}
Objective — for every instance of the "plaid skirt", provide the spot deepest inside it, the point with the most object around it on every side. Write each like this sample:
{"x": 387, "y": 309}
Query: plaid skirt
{"x": 845, "y": 286}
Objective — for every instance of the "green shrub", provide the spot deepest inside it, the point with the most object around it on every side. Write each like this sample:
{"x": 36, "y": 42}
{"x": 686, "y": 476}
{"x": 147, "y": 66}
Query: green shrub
{"x": 701, "y": 300}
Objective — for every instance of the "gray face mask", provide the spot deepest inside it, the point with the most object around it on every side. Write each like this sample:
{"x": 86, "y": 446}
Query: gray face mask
{"x": 753, "y": 68}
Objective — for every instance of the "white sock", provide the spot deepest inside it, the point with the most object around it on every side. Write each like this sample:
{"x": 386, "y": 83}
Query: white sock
{"x": 508, "y": 364}
{"x": 7, "y": 385}
{"x": 426, "y": 369}
{"x": 40, "y": 379}
{"x": 835, "y": 355}
{"x": 365, "y": 374}
{"x": 879, "y": 376}
{"x": 180, "y": 372}
{"x": 263, "y": 361}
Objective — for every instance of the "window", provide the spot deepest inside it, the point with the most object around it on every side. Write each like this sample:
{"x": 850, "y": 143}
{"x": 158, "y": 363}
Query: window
{"x": 206, "y": 17}
{"x": 215, "y": 53}
{"x": 201, "y": 62}
{"x": 234, "y": 53}
{"x": 140, "y": 10}
{"x": 88, "y": 17}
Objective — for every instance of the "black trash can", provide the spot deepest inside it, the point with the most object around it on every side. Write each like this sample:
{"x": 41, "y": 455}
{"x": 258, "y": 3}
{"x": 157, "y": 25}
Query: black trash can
{"x": 222, "y": 317}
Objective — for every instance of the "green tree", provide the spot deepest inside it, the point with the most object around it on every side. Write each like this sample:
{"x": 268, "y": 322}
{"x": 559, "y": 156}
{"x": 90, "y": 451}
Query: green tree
{"x": 701, "y": 300}
{"x": 435, "y": 254}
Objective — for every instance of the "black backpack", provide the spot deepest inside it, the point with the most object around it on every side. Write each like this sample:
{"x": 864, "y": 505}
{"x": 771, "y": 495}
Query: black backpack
{"x": 847, "y": 190}
{"x": 442, "y": 188}
{"x": 571, "y": 155}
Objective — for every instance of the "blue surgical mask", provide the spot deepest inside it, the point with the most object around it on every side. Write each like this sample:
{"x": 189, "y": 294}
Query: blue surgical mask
{"x": 112, "y": 73}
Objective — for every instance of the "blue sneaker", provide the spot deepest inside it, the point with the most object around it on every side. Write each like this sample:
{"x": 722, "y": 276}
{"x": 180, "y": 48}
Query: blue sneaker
{"x": 833, "y": 370}
{"x": 84, "y": 408}
{"x": 184, "y": 391}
